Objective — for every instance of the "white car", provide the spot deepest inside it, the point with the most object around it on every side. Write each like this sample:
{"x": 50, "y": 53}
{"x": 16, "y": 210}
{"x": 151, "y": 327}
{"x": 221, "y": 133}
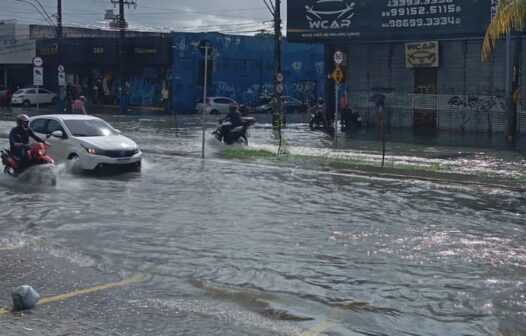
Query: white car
{"x": 32, "y": 96}
{"x": 91, "y": 140}
{"x": 215, "y": 105}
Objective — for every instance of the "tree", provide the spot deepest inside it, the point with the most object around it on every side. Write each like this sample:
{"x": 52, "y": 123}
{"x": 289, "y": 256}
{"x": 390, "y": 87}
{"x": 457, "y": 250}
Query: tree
{"x": 510, "y": 14}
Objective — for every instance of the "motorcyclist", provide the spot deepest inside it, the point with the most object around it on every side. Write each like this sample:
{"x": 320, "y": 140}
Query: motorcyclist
{"x": 19, "y": 138}
{"x": 320, "y": 110}
{"x": 234, "y": 118}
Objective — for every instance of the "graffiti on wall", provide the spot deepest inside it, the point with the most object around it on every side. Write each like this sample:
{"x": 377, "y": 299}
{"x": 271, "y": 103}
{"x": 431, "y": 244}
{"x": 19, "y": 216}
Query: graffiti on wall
{"x": 306, "y": 91}
{"x": 471, "y": 111}
{"x": 145, "y": 87}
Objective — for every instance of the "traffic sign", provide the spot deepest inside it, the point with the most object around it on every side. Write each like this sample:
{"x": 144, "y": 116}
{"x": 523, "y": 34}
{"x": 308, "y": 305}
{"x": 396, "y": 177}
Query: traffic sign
{"x": 60, "y": 68}
{"x": 338, "y": 57}
{"x": 61, "y": 79}
{"x": 37, "y": 61}
{"x": 337, "y": 75}
{"x": 38, "y": 76}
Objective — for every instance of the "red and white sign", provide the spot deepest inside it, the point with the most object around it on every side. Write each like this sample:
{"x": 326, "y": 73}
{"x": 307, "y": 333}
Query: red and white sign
{"x": 37, "y": 61}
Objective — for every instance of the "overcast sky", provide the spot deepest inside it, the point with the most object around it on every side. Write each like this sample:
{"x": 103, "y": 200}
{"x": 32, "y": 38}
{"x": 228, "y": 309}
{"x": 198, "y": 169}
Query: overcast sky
{"x": 227, "y": 16}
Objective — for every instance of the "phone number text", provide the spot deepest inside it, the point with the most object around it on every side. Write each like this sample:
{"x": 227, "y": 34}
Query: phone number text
{"x": 427, "y": 22}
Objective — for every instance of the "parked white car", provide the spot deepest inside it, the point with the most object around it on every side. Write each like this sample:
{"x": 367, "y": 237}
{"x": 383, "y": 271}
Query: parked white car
{"x": 91, "y": 140}
{"x": 215, "y": 105}
{"x": 32, "y": 96}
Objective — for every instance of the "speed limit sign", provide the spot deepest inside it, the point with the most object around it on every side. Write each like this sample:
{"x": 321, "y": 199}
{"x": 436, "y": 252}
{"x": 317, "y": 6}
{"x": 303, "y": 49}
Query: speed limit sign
{"x": 338, "y": 57}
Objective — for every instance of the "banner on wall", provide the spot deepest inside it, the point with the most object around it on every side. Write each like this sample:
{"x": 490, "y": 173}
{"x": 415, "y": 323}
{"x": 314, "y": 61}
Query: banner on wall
{"x": 422, "y": 54}
{"x": 353, "y": 20}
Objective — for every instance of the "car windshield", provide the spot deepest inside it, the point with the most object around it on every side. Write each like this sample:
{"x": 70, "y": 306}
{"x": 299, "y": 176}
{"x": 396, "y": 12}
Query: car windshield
{"x": 89, "y": 128}
{"x": 19, "y": 91}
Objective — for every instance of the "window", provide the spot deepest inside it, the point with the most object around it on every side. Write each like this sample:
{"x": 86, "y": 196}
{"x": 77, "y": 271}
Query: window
{"x": 89, "y": 128}
{"x": 224, "y": 101}
{"x": 53, "y": 126}
{"x": 42, "y": 91}
{"x": 38, "y": 126}
{"x": 31, "y": 91}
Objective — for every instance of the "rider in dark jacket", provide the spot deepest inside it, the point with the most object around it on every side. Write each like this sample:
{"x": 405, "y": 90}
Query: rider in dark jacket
{"x": 19, "y": 138}
{"x": 234, "y": 116}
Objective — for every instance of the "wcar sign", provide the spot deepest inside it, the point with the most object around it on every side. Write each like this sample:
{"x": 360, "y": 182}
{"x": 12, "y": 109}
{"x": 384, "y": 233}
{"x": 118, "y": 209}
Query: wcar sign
{"x": 348, "y": 20}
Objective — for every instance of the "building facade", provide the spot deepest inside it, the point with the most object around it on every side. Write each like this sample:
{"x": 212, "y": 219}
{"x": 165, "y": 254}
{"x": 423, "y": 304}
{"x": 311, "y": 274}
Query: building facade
{"x": 90, "y": 60}
{"x": 424, "y": 58}
{"x": 242, "y": 68}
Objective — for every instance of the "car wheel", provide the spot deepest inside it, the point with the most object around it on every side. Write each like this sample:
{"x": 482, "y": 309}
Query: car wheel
{"x": 26, "y": 103}
{"x": 214, "y": 112}
{"x": 54, "y": 101}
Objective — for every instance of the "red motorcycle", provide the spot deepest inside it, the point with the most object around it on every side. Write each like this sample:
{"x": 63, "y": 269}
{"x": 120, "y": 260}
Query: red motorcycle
{"x": 35, "y": 154}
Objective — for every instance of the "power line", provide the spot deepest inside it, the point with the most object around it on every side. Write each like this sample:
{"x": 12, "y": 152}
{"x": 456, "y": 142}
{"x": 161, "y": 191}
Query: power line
{"x": 45, "y": 16}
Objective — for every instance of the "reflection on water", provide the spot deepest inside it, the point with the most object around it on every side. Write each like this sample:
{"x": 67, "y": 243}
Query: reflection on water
{"x": 283, "y": 252}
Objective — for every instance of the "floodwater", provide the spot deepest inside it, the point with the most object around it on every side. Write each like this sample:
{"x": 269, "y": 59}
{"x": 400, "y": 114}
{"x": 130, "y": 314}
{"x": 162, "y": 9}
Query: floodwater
{"x": 260, "y": 250}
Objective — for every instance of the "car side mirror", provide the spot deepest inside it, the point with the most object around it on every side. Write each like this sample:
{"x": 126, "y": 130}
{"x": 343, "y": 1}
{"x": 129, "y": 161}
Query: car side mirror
{"x": 58, "y": 134}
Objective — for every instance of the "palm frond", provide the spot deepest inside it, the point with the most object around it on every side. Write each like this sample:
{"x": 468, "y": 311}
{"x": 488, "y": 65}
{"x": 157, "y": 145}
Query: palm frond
{"x": 510, "y": 14}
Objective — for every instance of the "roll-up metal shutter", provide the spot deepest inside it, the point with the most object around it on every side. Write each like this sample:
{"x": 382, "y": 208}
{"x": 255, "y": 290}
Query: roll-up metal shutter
{"x": 379, "y": 74}
{"x": 479, "y": 102}
{"x": 399, "y": 102}
{"x": 497, "y": 84}
{"x": 357, "y": 60}
{"x": 451, "y": 85}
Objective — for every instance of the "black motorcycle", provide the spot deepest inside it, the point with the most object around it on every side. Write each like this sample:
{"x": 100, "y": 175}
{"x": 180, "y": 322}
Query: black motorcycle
{"x": 352, "y": 120}
{"x": 225, "y": 133}
{"x": 316, "y": 121}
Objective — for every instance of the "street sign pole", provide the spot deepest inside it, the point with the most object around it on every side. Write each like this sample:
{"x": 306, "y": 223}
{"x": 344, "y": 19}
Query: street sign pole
{"x": 336, "y": 115}
{"x": 337, "y": 75}
{"x": 204, "y": 101}
{"x": 37, "y": 97}
{"x": 38, "y": 75}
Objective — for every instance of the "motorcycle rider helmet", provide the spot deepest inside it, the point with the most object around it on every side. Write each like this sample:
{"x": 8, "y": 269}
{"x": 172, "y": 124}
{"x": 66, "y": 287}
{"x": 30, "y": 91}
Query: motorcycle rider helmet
{"x": 82, "y": 98}
{"x": 22, "y": 120}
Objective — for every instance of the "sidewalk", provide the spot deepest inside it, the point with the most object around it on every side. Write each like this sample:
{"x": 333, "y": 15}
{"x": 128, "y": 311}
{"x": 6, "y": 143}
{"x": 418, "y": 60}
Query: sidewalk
{"x": 113, "y": 311}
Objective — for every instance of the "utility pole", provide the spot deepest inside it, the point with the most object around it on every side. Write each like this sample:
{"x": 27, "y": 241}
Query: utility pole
{"x": 61, "y": 88}
{"x": 123, "y": 97}
{"x": 59, "y": 19}
{"x": 277, "y": 118}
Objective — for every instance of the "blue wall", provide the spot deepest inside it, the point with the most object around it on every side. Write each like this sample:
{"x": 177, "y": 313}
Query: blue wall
{"x": 243, "y": 69}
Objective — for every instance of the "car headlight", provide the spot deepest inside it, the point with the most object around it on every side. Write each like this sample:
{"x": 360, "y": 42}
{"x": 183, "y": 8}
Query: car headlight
{"x": 136, "y": 150}
{"x": 93, "y": 150}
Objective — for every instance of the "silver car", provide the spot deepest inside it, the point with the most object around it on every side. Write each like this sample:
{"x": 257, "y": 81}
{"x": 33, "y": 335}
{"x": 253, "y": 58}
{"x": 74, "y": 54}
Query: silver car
{"x": 32, "y": 96}
{"x": 215, "y": 105}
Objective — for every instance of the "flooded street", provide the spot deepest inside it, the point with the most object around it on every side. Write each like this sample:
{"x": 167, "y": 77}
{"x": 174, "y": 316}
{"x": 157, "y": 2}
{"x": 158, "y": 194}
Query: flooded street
{"x": 237, "y": 249}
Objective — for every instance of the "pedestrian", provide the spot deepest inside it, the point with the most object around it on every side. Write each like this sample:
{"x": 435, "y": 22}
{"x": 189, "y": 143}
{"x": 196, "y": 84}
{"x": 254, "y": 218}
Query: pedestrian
{"x": 79, "y": 106}
{"x": 165, "y": 99}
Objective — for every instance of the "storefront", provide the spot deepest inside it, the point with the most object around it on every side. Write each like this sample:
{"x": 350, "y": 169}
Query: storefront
{"x": 92, "y": 68}
{"x": 422, "y": 56}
